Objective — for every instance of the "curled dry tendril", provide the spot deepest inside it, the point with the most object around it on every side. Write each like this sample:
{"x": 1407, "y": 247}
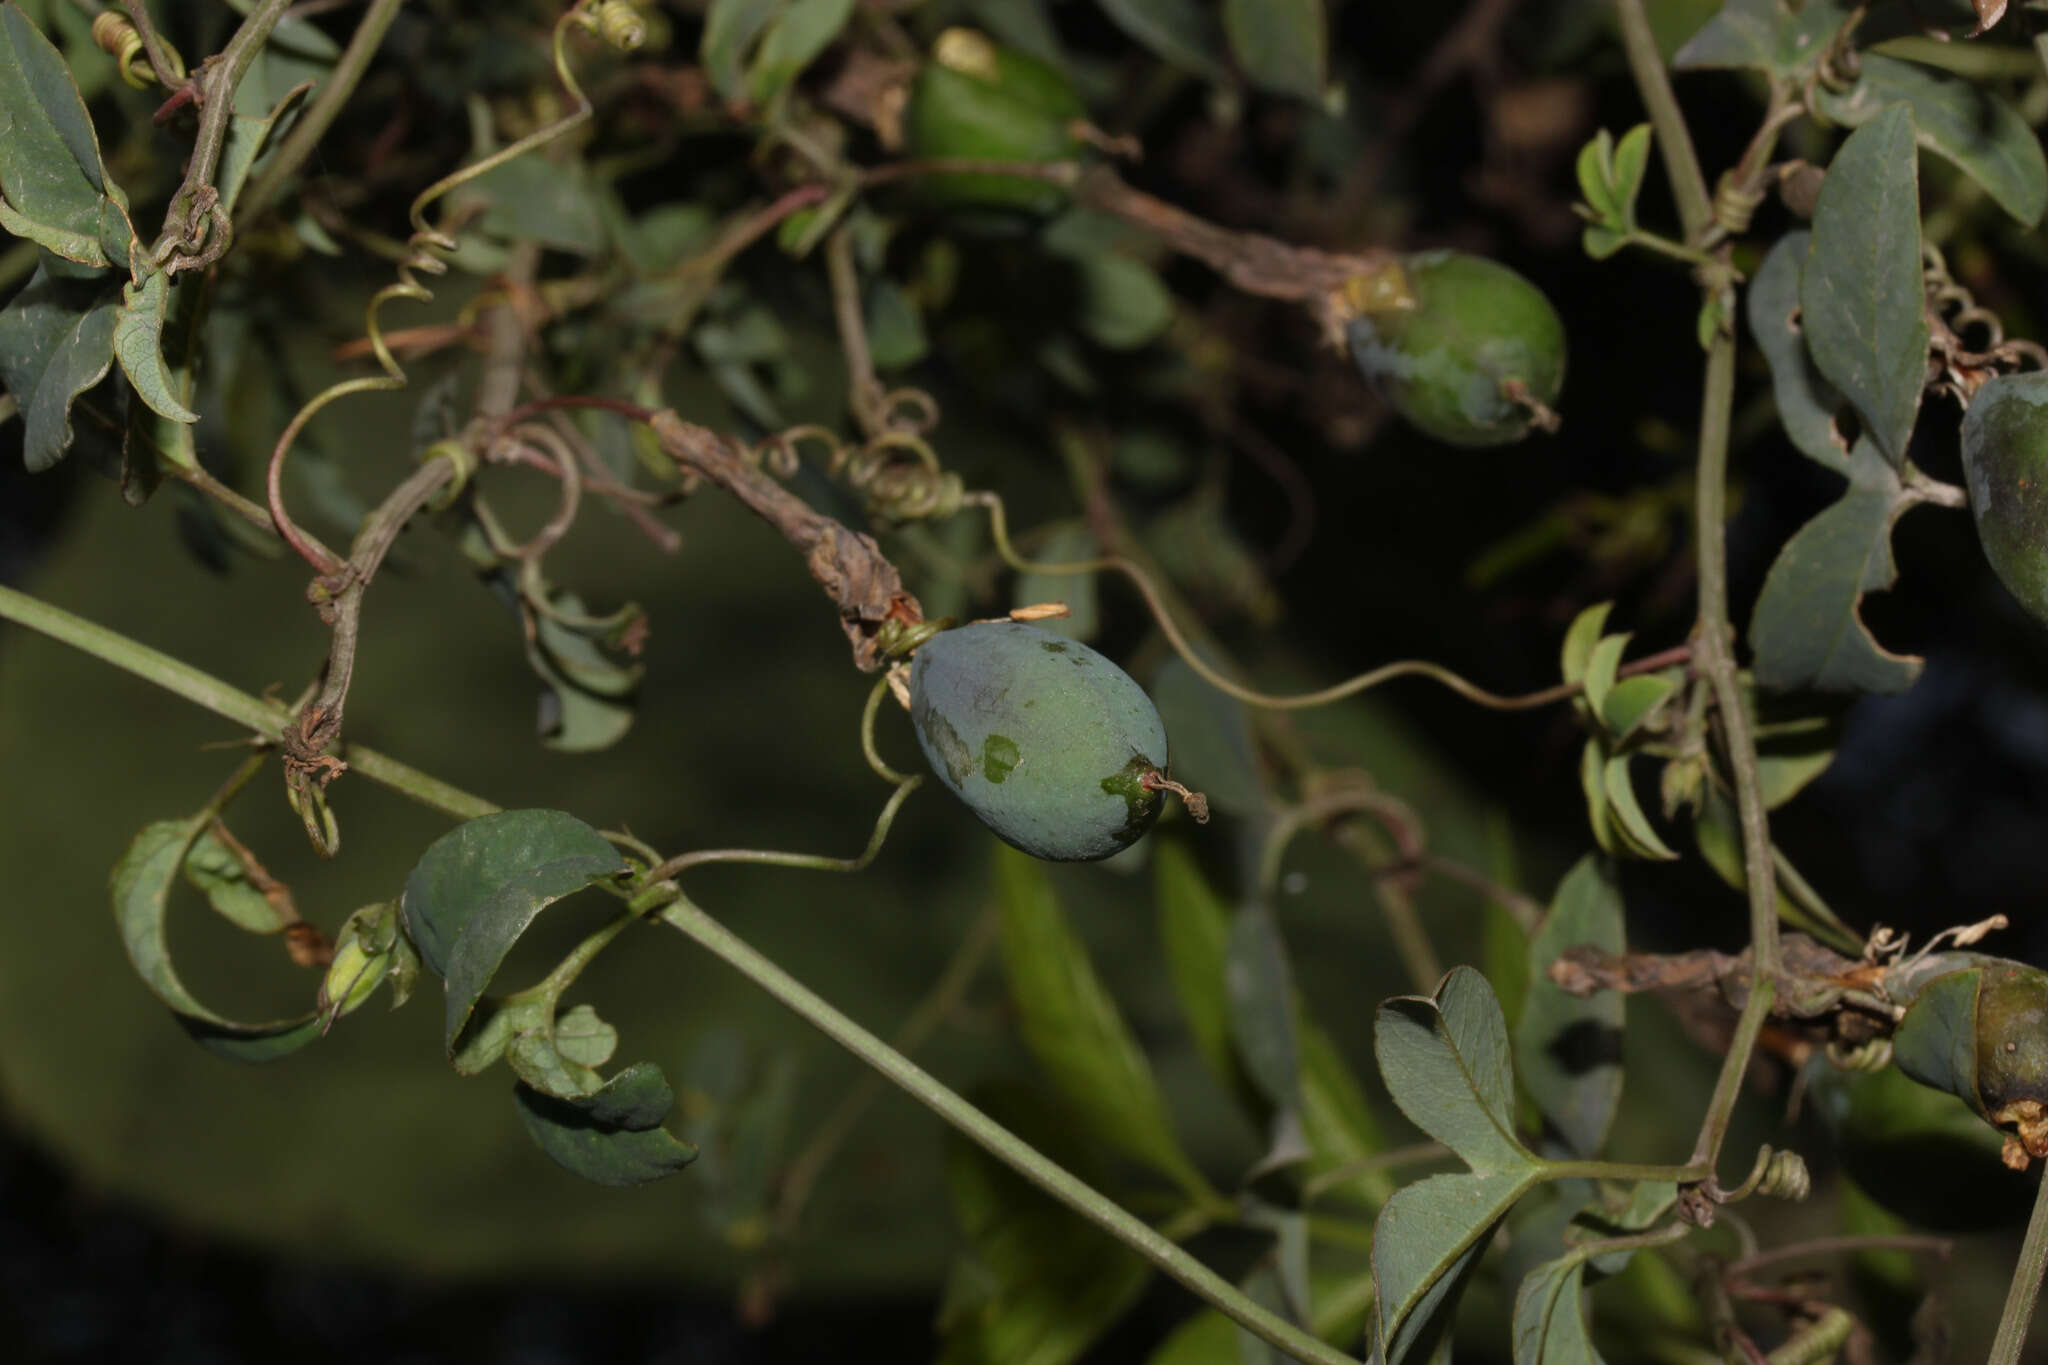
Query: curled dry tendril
{"x": 426, "y": 253}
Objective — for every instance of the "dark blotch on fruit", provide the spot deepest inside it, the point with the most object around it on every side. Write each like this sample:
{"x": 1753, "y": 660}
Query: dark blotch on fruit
{"x": 1460, "y": 349}
{"x": 1057, "y": 757}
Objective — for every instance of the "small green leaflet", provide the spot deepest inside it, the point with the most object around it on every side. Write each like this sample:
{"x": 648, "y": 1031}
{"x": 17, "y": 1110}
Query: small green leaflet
{"x": 612, "y": 1136}
{"x": 1281, "y": 44}
{"x": 1611, "y": 178}
{"x": 138, "y": 344}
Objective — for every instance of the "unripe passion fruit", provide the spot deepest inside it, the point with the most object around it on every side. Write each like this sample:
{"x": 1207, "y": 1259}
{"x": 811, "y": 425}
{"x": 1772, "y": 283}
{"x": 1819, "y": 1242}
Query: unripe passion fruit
{"x": 1468, "y": 351}
{"x": 976, "y": 100}
{"x": 1982, "y": 1034}
{"x": 2005, "y": 460}
{"x": 1053, "y": 746}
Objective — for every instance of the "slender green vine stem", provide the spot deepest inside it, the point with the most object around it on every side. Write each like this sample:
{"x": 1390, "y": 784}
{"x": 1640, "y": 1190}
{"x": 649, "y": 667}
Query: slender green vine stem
{"x": 194, "y": 198}
{"x": 867, "y": 734}
{"x": 267, "y": 719}
{"x": 999, "y": 1141}
{"x": 2025, "y": 1287}
{"x": 1653, "y": 83}
{"x": 816, "y": 862}
{"x": 334, "y": 93}
{"x": 1713, "y": 650}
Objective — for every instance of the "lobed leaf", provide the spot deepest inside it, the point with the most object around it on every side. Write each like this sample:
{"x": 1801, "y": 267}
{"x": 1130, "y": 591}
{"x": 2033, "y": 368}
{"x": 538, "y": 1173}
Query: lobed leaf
{"x": 1765, "y": 35}
{"x": 1446, "y": 1062}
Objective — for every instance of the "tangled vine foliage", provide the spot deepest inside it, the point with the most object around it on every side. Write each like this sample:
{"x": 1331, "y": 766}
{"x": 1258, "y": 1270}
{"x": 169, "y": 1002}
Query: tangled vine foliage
{"x": 600, "y": 300}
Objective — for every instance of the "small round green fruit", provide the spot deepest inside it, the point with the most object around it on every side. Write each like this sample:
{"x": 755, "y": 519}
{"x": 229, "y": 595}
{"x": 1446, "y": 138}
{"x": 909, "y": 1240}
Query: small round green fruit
{"x": 2005, "y": 462}
{"x": 979, "y": 101}
{"x": 1054, "y": 747}
{"x": 1463, "y": 347}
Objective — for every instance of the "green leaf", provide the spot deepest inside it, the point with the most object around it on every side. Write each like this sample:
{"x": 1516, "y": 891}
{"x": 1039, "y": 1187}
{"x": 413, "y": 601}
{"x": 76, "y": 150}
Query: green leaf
{"x": 212, "y": 868}
{"x": 896, "y": 335}
{"x": 1861, "y": 301}
{"x": 1764, "y": 35}
{"x": 1281, "y": 44}
{"x": 1631, "y": 163}
{"x": 1602, "y": 242}
{"x": 249, "y": 136}
{"x": 1069, "y": 545}
{"x": 612, "y": 1136}
{"x": 729, "y": 33}
{"x": 1194, "y": 934}
{"x": 537, "y": 199}
{"x": 53, "y": 186}
{"x": 138, "y": 345}
{"x": 588, "y": 701}
{"x": 803, "y": 30}
{"x": 1263, "y": 1012}
{"x": 1633, "y": 701}
{"x": 1178, "y": 32}
{"x": 477, "y": 888}
{"x": 1338, "y": 1122}
{"x": 1550, "y": 1315}
{"x": 1791, "y": 754}
{"x": 1123, "y": 303}
{"x": 56, "y": 341}
{"x": 1568, "y": 1050}
{"x": 1956, "y": 119}
{"x": 1595, "y": 169}
{"x": 1073, "y": 1028}
{"x": 1213, "y": 748}
{"x": 1807, "y": 403}
{"x": 1424, "y": 1245}
{"x": 1040, "y": 1285}
{"x": 1600, "y": 667}
{"x": 584, "y": 1038}
{"x": 536, "y": 1060}
{"x": 141, "y": 886}
{"x": 1445, "y": 1061}
{"x": 1806, "y": 631}
{"x": 1630, "y": 824}
{"x": 1593, "y": 782}
{"x": 1579, "y": 640}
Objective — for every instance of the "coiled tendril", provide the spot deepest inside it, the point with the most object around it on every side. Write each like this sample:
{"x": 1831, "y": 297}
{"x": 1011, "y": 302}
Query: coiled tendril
{"x": 426, "y": 253}
{"x": 896, "y": 469}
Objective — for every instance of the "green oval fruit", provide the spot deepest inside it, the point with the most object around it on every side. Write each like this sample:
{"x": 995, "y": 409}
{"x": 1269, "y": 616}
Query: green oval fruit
{"x": 975, "y": 99}
{"x": 2005, "y": 461}
{"x": 1982, "y": 1034}
{"x": 1468, "y": 351}
{"x": 1046, "y": 740}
